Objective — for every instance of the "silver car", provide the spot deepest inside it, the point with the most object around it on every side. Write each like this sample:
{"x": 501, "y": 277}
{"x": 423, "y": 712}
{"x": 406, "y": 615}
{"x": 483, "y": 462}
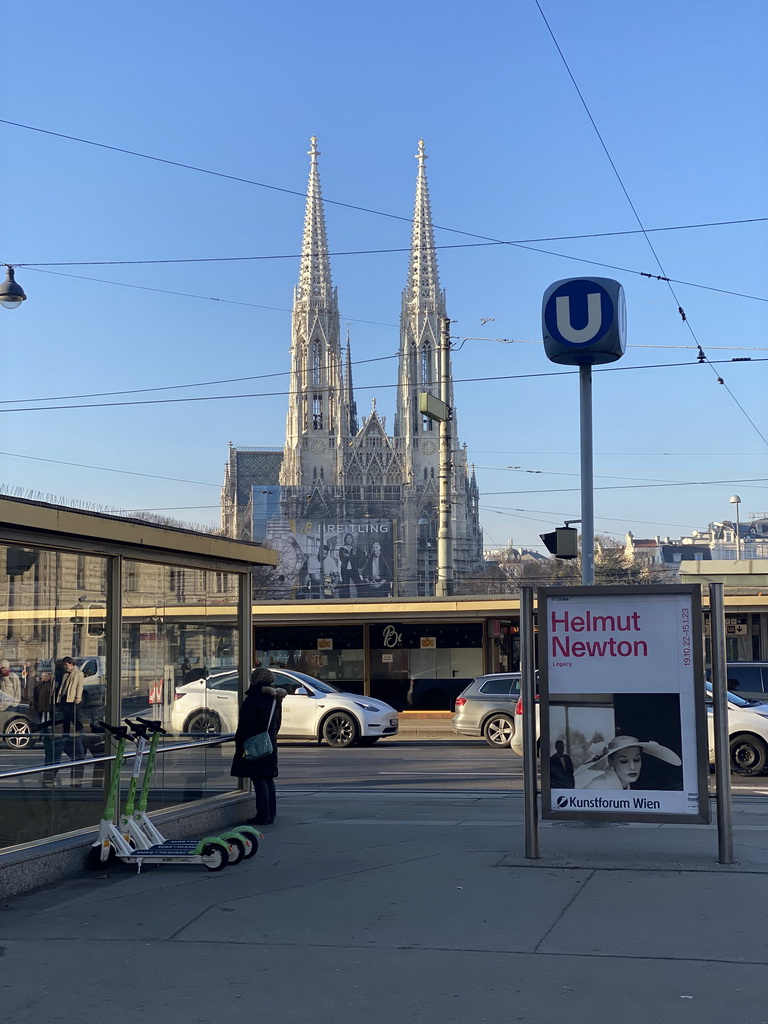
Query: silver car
{"x": 487, "y": 708}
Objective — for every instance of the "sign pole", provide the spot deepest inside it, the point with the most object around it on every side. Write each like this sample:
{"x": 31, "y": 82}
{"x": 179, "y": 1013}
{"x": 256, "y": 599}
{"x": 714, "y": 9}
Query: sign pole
{"x": 720, "y": 714}
{"x": 584, "y": 323}
{"x": 528, "y": 695}
{"x": 587, "y": 478}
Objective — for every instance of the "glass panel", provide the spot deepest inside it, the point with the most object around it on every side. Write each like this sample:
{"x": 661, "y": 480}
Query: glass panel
{"x": 180, "y": 644}
{"x": 180, "y": 653}
{"x": 52, "y": 607}
{"x": 425, "y": 680}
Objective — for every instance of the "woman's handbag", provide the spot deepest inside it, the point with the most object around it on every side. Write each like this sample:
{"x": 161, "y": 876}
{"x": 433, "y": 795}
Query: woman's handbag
{"x": 259, "y": 745}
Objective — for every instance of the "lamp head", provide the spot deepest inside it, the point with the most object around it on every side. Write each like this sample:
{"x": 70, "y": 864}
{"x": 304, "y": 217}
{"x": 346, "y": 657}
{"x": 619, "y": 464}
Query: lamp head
{"x": 735, "y": 499}
{"x": 11, "y": 293}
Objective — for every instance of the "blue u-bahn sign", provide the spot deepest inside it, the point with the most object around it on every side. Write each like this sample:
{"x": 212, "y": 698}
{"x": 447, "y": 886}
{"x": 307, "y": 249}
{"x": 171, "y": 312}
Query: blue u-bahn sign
{"x": 584, "y": 321}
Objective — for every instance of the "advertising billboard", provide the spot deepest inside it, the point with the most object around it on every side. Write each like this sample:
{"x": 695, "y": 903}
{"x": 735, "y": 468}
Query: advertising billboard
{"x": 623, "y": 726}
{"x": 327, "y": 559}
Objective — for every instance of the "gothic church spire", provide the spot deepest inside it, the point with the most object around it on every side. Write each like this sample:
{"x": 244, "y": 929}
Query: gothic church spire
{"x": 315, "y": 275}
{"x": 318, "y": 417}
{"x": 423, "y": 282}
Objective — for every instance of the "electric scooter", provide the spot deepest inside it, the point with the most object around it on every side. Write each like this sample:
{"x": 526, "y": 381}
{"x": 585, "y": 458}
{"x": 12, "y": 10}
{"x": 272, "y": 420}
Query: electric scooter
{"x": 113, "y": 842}
{"x": 243, "y": 840}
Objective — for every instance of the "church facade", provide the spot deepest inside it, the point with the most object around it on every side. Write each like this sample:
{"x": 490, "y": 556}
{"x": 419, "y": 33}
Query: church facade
{"x": 352, "y": 509}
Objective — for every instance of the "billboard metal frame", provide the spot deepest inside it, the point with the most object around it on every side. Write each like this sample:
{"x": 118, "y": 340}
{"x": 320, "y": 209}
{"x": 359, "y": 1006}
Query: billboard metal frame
{"x": 693, "y": 591}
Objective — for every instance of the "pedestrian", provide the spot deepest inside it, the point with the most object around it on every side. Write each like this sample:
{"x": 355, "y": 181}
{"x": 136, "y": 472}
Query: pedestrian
{"x": 259, "y": 712}
{"x": 45, "y": 708}
{"x": 69, "y": 697}
{"x": 10, "y": 683}
{"x": 561, "y": 768}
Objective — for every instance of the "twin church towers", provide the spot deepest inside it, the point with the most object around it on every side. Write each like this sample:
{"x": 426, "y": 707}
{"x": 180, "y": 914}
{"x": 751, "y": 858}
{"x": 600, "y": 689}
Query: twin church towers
{"x": 340, "y": 469}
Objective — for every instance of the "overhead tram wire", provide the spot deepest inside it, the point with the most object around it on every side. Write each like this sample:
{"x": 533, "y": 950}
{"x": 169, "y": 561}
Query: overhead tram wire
{"x": 287, "y": 373}
{"x": 201, "y": 483}
{"x": 363, "y": 387}
{"x": 198, "y": 384}
{"x": 43, "y": 268}
{"x": 487, "y": 239}
{"x": 663, "y": 274}
{"x": 353, "y": 206}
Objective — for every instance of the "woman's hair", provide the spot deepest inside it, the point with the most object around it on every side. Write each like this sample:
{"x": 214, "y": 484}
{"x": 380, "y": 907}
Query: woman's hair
{"x": 262, "y": 677}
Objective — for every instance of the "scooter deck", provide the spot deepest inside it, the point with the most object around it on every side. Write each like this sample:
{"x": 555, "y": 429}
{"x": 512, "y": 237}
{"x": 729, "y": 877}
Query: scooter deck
{"x": 172, "y": 847}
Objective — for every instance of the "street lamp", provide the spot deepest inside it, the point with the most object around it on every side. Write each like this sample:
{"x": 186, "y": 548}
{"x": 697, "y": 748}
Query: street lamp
{"x": 736, "y": 500}
{"x": 11, "y": 293}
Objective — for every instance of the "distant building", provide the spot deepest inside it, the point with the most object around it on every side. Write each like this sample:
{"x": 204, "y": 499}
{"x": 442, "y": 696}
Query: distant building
{"x": 716, "y": 543}
{"x": 358, "y": 506}
{"x": 250, "y": 473}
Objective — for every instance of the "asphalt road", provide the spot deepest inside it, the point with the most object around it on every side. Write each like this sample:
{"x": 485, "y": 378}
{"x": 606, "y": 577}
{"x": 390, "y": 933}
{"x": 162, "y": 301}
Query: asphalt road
{"x": 397, "y": 764}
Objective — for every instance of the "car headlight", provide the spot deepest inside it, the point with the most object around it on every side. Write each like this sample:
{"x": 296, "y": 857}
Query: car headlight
{"x": 367, "y": 707}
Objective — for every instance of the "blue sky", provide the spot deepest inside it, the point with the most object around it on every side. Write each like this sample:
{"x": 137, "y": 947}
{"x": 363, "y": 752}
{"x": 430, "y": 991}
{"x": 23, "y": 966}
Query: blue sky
{"x": 679, "y": 101}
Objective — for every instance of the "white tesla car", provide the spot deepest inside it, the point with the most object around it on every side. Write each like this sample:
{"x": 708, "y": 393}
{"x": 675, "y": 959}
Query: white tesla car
{"x": 313, "y": 710}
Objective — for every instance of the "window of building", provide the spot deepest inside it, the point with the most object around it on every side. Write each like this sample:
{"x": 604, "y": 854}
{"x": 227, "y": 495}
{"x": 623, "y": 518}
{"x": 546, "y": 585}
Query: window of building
{"x": 317, "y": 412}
{"x": 317, "y": 364}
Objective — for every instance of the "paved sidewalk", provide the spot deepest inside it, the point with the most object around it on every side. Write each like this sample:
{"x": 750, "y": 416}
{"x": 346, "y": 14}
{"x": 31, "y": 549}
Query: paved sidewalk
{"x": 377, "y": 907}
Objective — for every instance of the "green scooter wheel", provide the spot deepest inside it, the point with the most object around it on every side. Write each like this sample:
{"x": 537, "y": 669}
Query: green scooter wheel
{"x": 237, "y": 849}
{"x": 254, "y": 836}
{"x": 215, "y": 857}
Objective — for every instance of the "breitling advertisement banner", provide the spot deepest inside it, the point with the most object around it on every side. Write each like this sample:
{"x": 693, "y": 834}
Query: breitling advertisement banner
{"x": 326, "y": 559}
{"x": 623, "y": 726}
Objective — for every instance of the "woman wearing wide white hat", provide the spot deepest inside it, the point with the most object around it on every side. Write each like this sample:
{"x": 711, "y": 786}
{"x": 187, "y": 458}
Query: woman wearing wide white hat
{"x": 619, "y": 764}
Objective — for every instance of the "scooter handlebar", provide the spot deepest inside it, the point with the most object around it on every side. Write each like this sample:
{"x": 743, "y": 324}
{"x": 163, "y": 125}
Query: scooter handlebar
{"x": 120, "y": 732}
{"x": 152, "y": 726}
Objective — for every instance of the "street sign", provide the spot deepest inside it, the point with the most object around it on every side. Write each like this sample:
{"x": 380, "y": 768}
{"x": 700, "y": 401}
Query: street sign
{"x": 433, "y": 408}
{"x": 584, "y": 321}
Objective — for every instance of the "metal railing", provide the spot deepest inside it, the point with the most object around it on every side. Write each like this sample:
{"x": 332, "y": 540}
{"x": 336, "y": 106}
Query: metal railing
{"x": 163, "y": 749}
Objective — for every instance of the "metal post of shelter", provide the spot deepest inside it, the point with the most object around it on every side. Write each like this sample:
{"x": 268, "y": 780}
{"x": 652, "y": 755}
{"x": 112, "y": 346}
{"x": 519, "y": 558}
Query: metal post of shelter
{"x": 720, "y": 714}
{"x": 528, "y": 695}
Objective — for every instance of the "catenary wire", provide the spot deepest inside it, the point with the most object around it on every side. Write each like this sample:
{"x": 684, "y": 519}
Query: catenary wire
{"x": 363, "y": 387}
{"x": 663, "y": 274}
{"x": 39, "y": 269}
{"x": 352, "y": 206}
{"x": 197, "y": 384}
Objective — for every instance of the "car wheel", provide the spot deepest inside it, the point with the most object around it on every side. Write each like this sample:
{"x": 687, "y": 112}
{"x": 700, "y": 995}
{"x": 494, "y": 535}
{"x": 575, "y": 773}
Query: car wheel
{"x": 368, "y": 741}
{"x": 201, "y": 725}
{"x": 749, "y": 755}
{"x": 18, "y": 734}
{"x": 499, "y": 730}
{"x": 340, "y": 729}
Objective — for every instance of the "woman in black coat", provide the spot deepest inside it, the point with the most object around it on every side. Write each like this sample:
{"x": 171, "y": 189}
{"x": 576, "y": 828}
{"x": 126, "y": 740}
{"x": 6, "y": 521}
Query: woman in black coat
{"x": 261, "y": 697}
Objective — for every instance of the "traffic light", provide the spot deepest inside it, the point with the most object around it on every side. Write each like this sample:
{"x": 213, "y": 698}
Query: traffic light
{"x": 20, "y": 560}
{"x": 562, "y": 542}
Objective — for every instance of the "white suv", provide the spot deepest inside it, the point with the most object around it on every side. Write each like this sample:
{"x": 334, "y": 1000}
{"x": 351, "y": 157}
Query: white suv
{"x": 313, "y": 710}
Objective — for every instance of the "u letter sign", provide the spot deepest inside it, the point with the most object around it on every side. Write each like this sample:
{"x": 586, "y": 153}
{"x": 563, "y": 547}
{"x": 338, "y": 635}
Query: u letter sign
{"x": 584, "y": 321}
